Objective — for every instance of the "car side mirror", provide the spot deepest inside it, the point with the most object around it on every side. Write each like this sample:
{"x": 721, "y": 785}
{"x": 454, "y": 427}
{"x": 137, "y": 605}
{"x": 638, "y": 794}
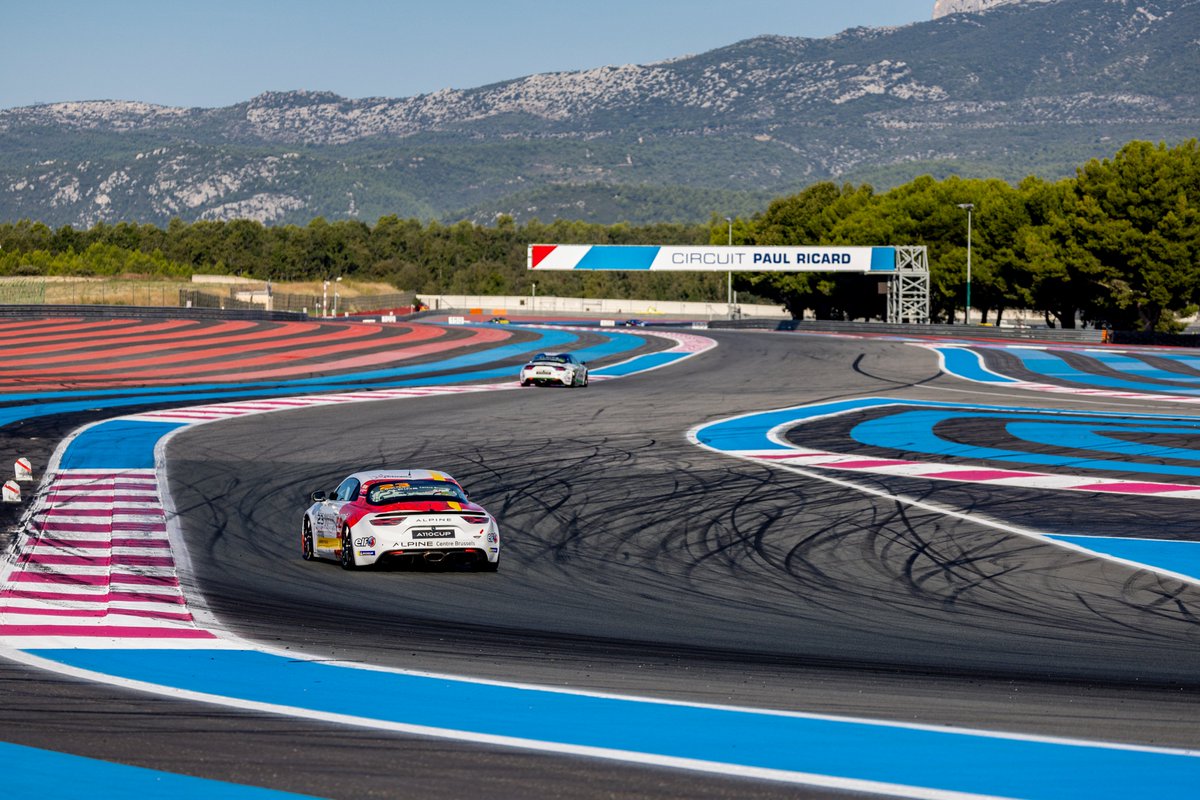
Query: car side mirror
{"x": 319, "y": 497}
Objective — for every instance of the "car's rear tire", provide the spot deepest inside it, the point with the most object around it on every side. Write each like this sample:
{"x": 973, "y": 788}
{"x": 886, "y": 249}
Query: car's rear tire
{"x": 483, "y": 565}
{"x": 347, "y": 558}
{"x": 306, "y": 541}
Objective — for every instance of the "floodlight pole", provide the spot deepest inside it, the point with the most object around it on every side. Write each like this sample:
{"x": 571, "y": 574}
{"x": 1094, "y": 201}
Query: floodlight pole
{"x": 969, "y": 207}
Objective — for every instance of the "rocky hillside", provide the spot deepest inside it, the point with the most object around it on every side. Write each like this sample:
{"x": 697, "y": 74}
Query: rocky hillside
{"x": 943, "y": 7}
{"x": 1027, "y": 87}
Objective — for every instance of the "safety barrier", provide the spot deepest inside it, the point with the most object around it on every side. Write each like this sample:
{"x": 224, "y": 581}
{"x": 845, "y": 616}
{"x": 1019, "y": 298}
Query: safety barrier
{"x": 1082, "y": 335}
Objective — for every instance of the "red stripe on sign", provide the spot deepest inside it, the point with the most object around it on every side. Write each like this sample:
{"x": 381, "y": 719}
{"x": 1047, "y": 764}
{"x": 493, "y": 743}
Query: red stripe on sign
{"x": 540, "y": 251}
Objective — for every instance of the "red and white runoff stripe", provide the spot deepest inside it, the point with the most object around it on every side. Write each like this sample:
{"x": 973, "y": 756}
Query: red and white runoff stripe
{"x": 95, "y": 569}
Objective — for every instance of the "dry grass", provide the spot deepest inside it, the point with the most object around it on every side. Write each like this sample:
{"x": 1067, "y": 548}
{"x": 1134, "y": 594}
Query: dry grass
{"x": 139, "y": 291}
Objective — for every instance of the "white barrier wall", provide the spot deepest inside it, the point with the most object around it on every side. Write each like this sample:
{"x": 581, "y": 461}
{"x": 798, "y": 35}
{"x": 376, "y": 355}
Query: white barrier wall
{"x": 524, "y": 305}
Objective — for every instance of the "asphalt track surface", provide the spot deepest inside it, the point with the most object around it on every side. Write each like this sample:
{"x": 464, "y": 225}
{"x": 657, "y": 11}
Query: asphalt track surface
{"x": 637, "y": 563}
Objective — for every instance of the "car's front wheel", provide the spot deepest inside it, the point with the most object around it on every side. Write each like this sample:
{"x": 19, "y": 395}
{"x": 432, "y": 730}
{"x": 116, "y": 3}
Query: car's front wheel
{"x": 306, "y": 541}
{"x": 348, "y": 561}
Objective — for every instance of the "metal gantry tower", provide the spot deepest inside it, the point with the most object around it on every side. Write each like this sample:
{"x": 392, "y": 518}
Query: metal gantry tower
{"x": 908, "y": 288}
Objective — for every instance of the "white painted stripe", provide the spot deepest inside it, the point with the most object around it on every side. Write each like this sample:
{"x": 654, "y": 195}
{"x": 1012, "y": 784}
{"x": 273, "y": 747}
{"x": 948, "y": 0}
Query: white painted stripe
{"x": 86, "y": 536}
{"x": 71, "y": 570}
{"x": 933, "y": 470}
{"x": 89, "y": 591}
{"x": 86, "y": 604}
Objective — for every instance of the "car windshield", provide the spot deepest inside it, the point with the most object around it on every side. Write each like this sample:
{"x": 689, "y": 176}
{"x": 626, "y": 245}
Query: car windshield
{"x": 414, "y": 491}
{"x": 554, "y": 359}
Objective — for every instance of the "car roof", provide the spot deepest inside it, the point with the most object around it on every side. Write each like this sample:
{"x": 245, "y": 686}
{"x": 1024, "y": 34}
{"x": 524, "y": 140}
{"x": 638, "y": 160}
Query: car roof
{"x": 370, "y": 476}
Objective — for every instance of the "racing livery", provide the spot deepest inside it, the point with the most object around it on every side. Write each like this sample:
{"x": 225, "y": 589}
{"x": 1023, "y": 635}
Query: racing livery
{"x": 562, "y": 369}
{"x": 399, "y": 515}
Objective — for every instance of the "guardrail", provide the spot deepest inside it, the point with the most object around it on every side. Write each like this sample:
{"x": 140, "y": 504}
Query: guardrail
{"x": 1082, "y": 335}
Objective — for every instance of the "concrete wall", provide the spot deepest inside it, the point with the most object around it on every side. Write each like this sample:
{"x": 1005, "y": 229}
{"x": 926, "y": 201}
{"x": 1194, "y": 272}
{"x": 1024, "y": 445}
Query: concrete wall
{"x": 518, "y": 306}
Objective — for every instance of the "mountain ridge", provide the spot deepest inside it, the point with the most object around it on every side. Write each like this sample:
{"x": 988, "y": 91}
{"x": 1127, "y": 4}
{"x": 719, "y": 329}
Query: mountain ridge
{"x": 1050, "y": 83}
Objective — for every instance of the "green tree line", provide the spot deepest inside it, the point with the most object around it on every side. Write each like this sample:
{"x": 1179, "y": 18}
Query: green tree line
{"x": 1119, "y": 243}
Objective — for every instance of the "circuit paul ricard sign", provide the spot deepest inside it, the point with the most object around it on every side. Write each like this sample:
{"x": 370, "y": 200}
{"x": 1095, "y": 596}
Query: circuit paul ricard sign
{"x": 668, "y": 258}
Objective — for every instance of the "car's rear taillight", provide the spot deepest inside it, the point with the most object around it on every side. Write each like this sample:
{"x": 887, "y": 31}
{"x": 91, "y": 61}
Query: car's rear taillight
{"x": 475, "y": 520}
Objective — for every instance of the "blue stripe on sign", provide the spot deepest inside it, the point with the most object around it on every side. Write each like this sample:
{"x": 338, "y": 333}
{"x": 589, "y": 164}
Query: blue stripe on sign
{"x": 116, "y": 444}
{"x": 883, "y": 259}
{"x": 940, "y": 759}
{"x": 1182, "y": 558}
{"x": 38, "y": 774}
{"x": 613, "y": 256}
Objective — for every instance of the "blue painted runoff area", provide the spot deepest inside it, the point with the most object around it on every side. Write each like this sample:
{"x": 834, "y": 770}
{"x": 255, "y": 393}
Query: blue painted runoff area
{"x": 547, "y": 340}
{"x": 129, "y": 444}
{"x": 1048, "y": 364}
{"x": 751, "y": 431}
{"x": 216, "y": 393}
{"x": 1135, "y": 366}
{"x": 31, "y": 775}
{"x": 1095, "y": 436}
{"x": 1180, "y": 557}
{"x": 640, "y": 364}
{"x": 935, "y": 759}
{"x": 968, "y": 364}
{"x": 116, "y": 444}
{"x": 914, "y": 431}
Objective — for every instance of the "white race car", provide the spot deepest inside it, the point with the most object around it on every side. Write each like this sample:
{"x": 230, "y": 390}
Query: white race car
{"x": 562, "y": 369}
{"x": 399, "y": 515}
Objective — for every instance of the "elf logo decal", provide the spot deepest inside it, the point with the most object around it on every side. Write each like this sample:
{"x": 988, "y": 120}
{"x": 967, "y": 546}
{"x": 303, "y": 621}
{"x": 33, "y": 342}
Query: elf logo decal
{"x": 365, "y": 541}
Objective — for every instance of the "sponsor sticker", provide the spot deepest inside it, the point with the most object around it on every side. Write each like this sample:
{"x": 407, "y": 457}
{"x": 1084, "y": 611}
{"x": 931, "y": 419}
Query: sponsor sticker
{"x": 433, "y": 533}
{"x": 366, "y": 552}
{"x": 365, "y": 541}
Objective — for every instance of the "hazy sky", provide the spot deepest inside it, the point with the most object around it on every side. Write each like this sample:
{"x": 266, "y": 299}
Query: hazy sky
{"x": 218, "y": 52}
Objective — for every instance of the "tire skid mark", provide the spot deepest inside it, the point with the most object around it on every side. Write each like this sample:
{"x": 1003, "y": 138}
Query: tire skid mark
{"x": 759, "y": 437}
{"x": 94, "y": 550}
